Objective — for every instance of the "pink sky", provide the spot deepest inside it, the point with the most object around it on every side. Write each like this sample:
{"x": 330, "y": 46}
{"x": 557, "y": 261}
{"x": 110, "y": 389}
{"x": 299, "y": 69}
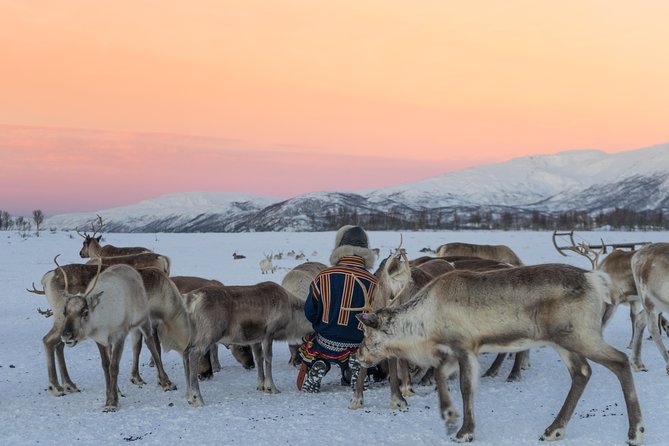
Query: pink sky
{"x": 282, "y": 98}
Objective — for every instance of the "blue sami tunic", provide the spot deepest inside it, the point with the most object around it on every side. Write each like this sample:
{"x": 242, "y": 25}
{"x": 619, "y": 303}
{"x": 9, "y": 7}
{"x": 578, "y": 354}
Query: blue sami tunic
{"x": 337, "y": 332}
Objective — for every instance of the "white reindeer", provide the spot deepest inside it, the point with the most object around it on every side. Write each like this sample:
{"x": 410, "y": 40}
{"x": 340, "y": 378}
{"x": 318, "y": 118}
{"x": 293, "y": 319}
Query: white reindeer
{"x": 462, "y": 313}
{"x": 112, "y": 306}
{"x": 266, "y": 266}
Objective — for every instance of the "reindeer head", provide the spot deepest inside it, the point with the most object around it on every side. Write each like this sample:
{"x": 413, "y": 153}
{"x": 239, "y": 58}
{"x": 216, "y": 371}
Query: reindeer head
{"x": 91, "y": 245}
{"x": 373, "y": 348}
{"x": 394, "y": 275}
{"x": 76, "y": 312}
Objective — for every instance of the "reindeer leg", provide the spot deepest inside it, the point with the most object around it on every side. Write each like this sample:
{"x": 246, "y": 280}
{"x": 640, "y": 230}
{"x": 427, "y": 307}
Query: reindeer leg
{"x": 469, "y": 365}
{"x": 518, "y": 361}
{"x": 163, "y": 379}
{"x": 191, "y": 357}
{"x": 135, "y": 377}
{"x": 51, "y": 342}
{"x": 115, "y": 350}
{"x": 639, "y": 327}
{"x": 358, "y": 398}
{"x": 402, "y": 372}
{"x": 493, "y": 370}
{"x": 397, "y": 400}
{"x": 269, "y": 386}
{"x": 580, "y": 372}
{"x": 156, "y": 341}
{"x": 260, "y": 361}
{"x": 636, "y": 313}
{"x": 653, "y": 327}
{"x": 213, "y": 358}
{"x": 618, "y": 363}
{"x": 446, "y": 407}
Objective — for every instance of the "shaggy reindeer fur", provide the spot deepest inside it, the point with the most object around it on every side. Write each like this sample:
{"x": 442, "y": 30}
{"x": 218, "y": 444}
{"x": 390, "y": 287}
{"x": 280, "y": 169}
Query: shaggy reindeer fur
{"x": 461, "y": 314}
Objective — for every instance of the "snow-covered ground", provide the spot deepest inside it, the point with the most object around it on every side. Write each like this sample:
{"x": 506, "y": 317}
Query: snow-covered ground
{"x": 235, "y": 413}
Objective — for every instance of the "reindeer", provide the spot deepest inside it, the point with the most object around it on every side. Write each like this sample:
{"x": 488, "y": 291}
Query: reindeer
{"x": 266, "y": 265}
{"x": 236, "y": 256}
{"x": 137, "y": 261}
{"x": 253, "y": 315}
{"x": 54, "y": 287}
{"x": 618, "y": 265}
{"x": 210, "y": 363}
{"x": 112, "y": 306}
{"x": 92, "y": 247}
{"x": 297, "y": 281}
{"x": 650, "y": 268}
{"x": 396, "y": 283}
{"x": 500, "y": 253}
{"x": 462, "y": 313}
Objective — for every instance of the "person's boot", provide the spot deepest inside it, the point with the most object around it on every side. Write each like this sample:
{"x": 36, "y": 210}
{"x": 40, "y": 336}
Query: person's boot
{"x": 312, "y": 380}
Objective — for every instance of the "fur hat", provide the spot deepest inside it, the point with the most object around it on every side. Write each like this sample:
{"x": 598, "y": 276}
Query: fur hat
{"x": 352, "y": 241}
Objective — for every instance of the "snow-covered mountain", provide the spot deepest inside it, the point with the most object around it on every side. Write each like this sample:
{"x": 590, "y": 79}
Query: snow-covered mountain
{"x": 591, "y": 181}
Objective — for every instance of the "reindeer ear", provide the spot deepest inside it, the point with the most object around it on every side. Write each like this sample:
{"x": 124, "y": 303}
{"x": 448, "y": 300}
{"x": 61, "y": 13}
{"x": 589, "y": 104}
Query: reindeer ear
{"x": 369, "y": 319}
{"x": 98, "y": 238}
{"x": 94, "y": 300}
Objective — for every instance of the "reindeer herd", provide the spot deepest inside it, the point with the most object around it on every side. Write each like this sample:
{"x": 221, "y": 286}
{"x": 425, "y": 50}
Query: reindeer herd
{"x": 428, "y": 318}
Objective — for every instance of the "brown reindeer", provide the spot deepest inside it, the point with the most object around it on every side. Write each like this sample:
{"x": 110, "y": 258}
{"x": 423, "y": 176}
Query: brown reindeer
{"x": 137, "y": 261}
{"x": 650, "y": 267}
{"x": 92, "y": 247}
{"x": 462, "y": 313}
{"x": 500, "y": 253}
{"x": 253, "y": 315}
{"x": 210, "y": 363}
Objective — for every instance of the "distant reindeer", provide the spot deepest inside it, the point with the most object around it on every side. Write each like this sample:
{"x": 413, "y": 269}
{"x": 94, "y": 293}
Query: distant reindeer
{"x": 501, "y": 253}
{"x": 92, "y": 247}
{"x": 238, "y": 256}
{"x": 266, "y": 266}
{"x": 138, "y": 261}
{"x": 462, "y": 313}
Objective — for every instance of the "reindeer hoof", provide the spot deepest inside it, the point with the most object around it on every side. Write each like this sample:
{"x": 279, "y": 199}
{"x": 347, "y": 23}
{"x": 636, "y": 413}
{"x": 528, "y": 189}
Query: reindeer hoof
{"x": 636, "y": 438}
{"x": 553, "y": 434}
{"x": 56, "y": 390}
{"x": 408, "y": 393}
{"x": 168, "y": 386}
{"x": 464, "y": 437}
{"x": 513, "y": 378}
{"x": 639, "y": 367}
{"x": 272, "y": 390}
{"x": 355, "y": 403}
{"x": 137, "y": 380}
{"x": 110, "y": 408}
{"x": 71, "y": 388}
{"x": 195, "y": 401}
{"x": 399, "y": 404}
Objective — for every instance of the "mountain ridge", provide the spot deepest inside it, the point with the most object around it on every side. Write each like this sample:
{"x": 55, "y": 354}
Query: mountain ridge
{"x": 587, "y": 181}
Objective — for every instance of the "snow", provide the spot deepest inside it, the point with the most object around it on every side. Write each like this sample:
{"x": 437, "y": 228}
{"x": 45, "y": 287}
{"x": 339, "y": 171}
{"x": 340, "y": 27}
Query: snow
{"x": 235, "y": 413}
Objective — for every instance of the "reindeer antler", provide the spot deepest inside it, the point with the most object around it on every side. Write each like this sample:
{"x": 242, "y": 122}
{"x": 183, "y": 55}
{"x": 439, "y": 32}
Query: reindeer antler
{"x": 35, "y": 290}
{"x": 583, "y": 249}
{"x": 55, "y": 260}
{"x": 46, "y": 313}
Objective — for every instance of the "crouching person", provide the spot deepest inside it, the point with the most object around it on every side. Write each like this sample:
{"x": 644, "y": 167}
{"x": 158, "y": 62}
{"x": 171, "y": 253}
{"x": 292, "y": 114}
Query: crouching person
{"x": 335, "y": 297}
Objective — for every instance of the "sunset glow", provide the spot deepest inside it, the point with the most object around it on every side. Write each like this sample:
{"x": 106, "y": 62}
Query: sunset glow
{"x": 283, "y": 98}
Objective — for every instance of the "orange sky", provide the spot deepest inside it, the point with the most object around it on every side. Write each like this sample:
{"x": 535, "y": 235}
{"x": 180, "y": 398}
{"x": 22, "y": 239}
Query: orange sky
{"x": 421, "y": 87}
